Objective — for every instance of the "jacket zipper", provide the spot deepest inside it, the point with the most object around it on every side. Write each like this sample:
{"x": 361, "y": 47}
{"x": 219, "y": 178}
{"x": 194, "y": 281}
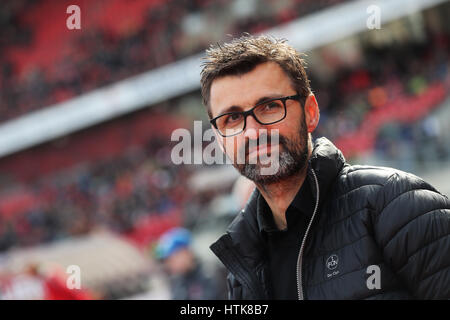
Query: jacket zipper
{"x": 302, "y": 247}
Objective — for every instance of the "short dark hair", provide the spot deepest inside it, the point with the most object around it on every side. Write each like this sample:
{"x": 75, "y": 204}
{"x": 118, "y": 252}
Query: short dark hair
{"x": 243, "y": 54}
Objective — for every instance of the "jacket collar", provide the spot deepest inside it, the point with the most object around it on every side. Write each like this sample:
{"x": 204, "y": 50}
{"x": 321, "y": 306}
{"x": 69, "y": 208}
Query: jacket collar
{"x": 303, "y": 202}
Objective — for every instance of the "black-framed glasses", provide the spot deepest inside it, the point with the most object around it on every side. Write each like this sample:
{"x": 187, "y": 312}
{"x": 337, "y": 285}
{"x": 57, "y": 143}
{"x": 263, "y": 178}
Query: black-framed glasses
{"x": 265, "y": 113}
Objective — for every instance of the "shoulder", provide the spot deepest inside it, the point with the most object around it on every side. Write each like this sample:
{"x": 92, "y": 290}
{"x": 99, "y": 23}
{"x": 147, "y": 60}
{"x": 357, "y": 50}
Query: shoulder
{"x": 387, "y": 182}
{"x": 399, "y": 200}
{"x": 393, "y": 184}
{"x": 360, "y": 182}
{"x": 386, "y": 191}
{"x": 365, "y": 174}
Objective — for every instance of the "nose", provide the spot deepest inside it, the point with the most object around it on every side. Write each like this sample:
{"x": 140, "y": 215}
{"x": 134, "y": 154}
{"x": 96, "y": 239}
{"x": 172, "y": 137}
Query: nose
{"x": 251, "y": 128}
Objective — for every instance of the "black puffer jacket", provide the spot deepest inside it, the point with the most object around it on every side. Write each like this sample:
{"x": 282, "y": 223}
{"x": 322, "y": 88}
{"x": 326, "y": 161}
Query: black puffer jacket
{"x": 366, "y": 216}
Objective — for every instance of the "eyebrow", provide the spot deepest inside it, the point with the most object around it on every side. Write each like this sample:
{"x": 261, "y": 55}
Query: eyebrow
{"x": 239, "y": 108}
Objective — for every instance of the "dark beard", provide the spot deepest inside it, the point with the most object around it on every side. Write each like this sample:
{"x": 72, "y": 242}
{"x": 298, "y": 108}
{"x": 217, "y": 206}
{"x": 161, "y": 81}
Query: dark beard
{"x": 293, "y": 157}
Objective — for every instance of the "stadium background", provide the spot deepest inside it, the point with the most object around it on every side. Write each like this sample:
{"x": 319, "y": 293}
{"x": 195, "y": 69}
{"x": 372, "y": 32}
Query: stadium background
{"x": 86, "y": 118}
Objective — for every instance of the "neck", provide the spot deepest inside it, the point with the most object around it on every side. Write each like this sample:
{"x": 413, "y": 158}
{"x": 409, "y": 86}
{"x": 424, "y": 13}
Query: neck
{"x": 279, "y": 195}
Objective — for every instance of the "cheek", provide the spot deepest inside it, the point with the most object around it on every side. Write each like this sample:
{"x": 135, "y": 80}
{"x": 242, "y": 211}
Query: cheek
{"x": 233, "y": 144}
{"x": 289, "y": 129}
{"x": 295, "y": 123}
{"x": 284, "y": 129}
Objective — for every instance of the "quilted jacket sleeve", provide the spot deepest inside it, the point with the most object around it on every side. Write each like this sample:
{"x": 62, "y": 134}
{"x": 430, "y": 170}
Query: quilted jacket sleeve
{"x": 412, "y": 227}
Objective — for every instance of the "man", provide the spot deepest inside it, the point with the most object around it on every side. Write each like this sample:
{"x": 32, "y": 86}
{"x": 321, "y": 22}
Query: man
{"x": 188, "y": 280}
{"x": 318, "y": 228}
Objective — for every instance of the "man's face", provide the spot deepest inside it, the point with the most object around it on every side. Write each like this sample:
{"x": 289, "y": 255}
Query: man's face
{"x": 241, "y": 93}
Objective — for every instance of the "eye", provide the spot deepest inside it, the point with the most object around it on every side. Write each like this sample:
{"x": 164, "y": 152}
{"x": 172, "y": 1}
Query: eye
{"x": 272, "y": 105}
{"x": 232, "y": 118}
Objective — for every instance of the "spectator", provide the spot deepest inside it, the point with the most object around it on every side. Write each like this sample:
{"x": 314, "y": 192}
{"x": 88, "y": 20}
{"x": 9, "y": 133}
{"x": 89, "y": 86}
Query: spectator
{"x": 188, "y": 279}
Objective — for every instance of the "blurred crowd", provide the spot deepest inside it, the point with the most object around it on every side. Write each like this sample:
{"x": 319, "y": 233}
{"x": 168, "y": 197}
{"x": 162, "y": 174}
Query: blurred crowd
{"x": 99, "y": 55}
{"x": 353, "y": 99}
{"x": 113, "y": 194}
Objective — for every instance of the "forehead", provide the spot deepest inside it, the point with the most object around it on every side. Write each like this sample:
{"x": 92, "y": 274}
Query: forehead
{"x": 243, "y": 90}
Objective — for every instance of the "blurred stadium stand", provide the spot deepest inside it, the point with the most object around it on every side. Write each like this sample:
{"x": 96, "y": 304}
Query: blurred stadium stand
{"x": 45, "y": 64}
{"x": 127, "y": 272}
{"x": 86, "y": 117}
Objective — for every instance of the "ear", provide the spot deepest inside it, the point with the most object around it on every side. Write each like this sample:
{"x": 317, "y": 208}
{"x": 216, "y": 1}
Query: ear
{"x": 312, "y": 113}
